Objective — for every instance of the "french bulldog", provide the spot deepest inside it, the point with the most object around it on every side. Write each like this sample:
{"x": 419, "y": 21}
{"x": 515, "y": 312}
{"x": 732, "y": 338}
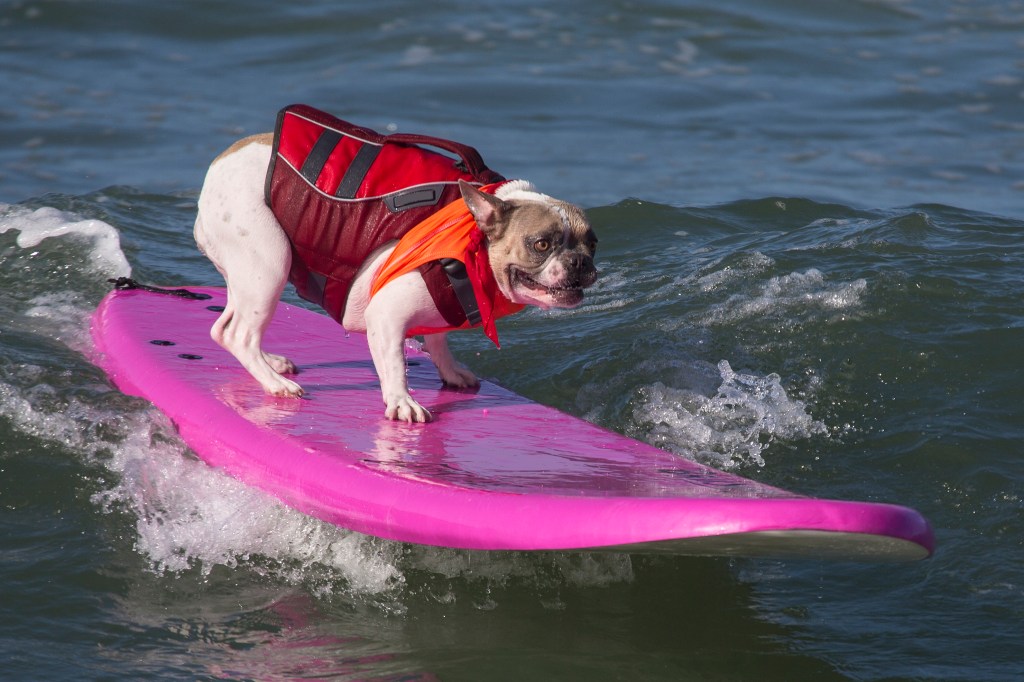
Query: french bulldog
{"x": 541, "y": 252}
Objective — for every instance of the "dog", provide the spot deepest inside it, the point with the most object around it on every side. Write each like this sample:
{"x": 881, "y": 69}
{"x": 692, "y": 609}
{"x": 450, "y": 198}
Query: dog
{"x": 540, "y": 252}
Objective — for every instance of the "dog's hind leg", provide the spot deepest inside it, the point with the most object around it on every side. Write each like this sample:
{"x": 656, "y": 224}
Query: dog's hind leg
{"x": 238, "y": 232}
{"x": 240, "y": 329}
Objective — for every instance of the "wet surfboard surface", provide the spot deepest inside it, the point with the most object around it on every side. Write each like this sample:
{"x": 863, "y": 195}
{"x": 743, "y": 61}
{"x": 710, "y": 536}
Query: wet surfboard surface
{"x": 493, "y": 471}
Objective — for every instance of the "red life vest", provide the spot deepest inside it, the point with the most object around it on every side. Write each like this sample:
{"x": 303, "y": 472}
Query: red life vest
{"x": 340, "y": 192}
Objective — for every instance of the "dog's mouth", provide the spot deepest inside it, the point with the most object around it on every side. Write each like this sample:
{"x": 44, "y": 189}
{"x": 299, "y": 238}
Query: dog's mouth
{"x": 563, "y": 296}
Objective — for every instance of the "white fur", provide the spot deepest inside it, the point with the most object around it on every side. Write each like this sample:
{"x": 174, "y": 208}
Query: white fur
{"x": 239, "y": 233}
{"x": 521, "y": 189}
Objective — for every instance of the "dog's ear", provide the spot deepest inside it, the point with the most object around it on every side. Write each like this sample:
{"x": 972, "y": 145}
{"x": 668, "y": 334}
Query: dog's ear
{"x": 490, "y": 212}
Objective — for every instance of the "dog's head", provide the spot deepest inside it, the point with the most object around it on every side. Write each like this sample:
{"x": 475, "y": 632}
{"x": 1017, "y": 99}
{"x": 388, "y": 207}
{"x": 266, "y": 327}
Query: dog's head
{"x": 541, "y": 249}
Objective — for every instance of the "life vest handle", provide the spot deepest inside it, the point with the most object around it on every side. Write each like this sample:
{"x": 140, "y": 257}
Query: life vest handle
{"x": 470, "y": 156}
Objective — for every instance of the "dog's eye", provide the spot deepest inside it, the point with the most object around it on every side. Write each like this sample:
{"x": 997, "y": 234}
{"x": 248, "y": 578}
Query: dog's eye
{"x": 542, "y": 245}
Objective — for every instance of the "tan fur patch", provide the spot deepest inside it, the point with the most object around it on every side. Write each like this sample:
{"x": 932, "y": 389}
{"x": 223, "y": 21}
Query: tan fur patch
{"x": 261, "y": 138}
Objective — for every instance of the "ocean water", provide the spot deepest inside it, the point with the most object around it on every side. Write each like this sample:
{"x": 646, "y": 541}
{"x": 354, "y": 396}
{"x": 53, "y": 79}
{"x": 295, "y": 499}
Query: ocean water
{"x": 811, "y": 218}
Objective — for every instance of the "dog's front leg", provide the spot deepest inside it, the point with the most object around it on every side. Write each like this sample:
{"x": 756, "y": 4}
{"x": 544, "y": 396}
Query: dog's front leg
{"x": 451, "y": 372}
{"x": 385, "y": 334}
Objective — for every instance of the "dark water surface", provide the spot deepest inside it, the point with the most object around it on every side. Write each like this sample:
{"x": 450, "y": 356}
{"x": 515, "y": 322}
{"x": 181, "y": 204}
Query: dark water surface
{"x": 812, "y": 244}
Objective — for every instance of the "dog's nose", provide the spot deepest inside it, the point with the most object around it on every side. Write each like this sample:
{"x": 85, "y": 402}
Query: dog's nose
{"x": 583, "y": 267}
{"x": 581, "y": 262}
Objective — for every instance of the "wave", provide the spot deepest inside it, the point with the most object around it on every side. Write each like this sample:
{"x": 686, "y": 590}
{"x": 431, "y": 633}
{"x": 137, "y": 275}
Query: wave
{"x": 719, "y": 335}
{"x": 33, "y": 226}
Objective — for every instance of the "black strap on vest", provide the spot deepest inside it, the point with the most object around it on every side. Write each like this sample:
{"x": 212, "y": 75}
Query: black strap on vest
{"x": 357, "y": 171}
{"x": 317, "y": 158}
{"x": 457, "y": 275}
{"x": 354, "y": 174}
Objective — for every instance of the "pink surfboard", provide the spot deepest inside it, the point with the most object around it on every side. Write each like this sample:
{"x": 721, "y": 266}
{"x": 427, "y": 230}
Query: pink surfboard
{"x": 494, "y": 471}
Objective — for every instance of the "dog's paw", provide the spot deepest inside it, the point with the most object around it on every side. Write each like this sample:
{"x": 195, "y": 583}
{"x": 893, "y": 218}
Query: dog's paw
{"x": 283, "y": 388}
{"x": 405, "y": 409}
{"x": 459, "y": 377}
{"x": 280, "y": 364}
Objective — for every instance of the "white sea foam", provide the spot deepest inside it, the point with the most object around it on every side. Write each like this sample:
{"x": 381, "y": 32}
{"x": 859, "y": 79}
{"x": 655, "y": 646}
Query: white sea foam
{"x": 34, "y": 226}
{"x": 749, "y": 265}
{"x": 790, "y": 293}
{"x": 729, "y": 429}
{"x": 187, "y": 515}
{"x": 63, "y": 314}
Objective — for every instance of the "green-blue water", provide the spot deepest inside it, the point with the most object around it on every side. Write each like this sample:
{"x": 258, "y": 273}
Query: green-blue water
{"x": 812, "y": 244}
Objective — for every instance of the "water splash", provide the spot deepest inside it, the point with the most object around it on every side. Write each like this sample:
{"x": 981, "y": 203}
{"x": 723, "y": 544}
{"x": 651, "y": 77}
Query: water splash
{"x": 105, "y": 256}
{"x": 729, "y": 429}
{"x": 188, "y": 516}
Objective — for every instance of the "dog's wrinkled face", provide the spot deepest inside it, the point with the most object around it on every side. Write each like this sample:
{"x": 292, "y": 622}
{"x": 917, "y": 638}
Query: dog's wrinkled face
{"x": 541, "y": 250}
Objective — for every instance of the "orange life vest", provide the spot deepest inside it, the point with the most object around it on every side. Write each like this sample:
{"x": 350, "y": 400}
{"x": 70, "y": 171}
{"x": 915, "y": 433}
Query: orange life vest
{"x": 451, "y": 234}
